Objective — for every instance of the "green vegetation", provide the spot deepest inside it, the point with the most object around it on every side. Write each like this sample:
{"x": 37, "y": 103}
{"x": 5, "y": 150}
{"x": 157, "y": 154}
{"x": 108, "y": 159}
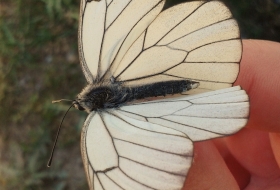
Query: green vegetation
{"x": 39, "y": 63}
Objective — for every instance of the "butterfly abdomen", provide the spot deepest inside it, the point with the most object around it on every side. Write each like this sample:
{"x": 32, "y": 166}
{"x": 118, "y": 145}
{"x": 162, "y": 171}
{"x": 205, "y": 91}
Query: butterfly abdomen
{"x": 161, "y": 89}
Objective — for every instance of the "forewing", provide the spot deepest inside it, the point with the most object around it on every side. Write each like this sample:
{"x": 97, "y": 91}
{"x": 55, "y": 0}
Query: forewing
{"x": 200, "y": 117}
{"x": 105, "y": 25}
{"x": 120, "y": 152}
{"x": 198, "y": 40}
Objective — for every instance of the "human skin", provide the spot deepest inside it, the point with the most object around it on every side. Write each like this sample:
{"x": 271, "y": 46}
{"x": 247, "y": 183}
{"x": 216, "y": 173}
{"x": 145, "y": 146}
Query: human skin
{"x": 250, "y": 159}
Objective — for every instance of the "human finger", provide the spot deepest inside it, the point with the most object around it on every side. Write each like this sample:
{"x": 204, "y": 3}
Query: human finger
{"x": 260, "y": 77}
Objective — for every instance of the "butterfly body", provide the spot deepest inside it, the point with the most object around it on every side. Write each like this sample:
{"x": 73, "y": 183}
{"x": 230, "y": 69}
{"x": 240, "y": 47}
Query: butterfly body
{"x": 114, "y": 94}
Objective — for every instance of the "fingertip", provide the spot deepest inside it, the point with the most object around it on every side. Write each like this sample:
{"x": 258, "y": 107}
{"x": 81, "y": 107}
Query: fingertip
{"x": 260, "y": 77}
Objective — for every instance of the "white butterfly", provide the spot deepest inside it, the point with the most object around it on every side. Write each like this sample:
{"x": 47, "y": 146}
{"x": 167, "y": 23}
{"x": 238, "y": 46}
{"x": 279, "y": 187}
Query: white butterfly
{"x": 130, "y": 50}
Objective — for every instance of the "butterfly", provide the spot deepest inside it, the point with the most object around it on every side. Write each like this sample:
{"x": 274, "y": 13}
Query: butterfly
{"x": 157, "y": 82}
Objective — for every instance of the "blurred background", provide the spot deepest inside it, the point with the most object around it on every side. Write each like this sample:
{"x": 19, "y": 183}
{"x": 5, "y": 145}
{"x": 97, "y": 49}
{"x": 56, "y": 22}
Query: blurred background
{"x": 39, "y": 63}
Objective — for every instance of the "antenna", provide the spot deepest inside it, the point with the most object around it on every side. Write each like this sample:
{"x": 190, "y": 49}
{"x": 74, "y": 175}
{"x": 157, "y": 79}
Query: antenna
{"x": 57, "y": 101}
{"x": 58, "y": 131}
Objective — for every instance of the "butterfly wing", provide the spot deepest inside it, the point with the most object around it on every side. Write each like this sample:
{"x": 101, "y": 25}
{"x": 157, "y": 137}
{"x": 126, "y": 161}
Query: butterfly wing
{"x": 200, "y": 116}
{"x": 199, "y": 41}
{"x": 125, "y": 153}
{"x": 149, "y": 145}
{"x": 109, "y": 27}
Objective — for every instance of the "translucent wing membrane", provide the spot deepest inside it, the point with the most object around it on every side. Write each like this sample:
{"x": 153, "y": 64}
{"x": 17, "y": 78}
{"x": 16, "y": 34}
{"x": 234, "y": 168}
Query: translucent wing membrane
{"x": 108, "y": 28}
{"x": 126, "y": 153}
{"x": 200, "y": 117}
{"x": 196, "y": 40}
